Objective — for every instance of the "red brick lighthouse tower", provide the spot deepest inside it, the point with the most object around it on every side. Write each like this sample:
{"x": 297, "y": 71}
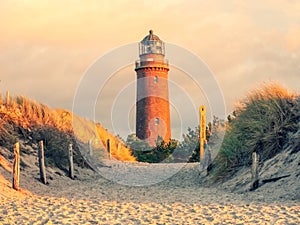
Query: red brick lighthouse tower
{"x": 152, "y": 106}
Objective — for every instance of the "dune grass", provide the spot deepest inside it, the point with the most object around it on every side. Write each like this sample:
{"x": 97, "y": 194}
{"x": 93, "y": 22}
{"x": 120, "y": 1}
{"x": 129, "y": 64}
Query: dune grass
{"x": 29, "y": 121}
{"x": 262, "y": 122}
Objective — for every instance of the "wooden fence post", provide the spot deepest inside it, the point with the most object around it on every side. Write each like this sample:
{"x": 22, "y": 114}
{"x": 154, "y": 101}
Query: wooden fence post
{"x": 202, "y": 130}
{"x": 71, "y": 165}
{"x": 42, "y": 163}
{"x": 16, "y": 167}
{"x": 90, "y": 147}
{"x": 254, "y": 171}
{"x": 108, "y": 148}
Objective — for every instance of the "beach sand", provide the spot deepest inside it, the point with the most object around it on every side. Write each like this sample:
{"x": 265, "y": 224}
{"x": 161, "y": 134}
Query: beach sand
{"x": 176, "y": 195}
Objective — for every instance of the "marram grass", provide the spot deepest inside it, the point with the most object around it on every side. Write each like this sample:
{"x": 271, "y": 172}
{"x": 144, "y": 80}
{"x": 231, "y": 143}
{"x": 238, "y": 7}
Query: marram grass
{"x": 263, "y": 122}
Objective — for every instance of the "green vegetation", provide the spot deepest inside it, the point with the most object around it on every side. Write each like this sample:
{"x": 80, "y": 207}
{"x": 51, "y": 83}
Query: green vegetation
{"x": 263, "y": 123}
{"x": 189, "y": 148}
{"x": 144, "y": 153}
{"x": 173, "y": 151}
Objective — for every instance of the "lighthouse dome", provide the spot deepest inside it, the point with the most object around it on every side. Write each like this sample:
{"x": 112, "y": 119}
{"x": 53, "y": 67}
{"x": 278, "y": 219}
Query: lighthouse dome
{"x": 150, "y": 37}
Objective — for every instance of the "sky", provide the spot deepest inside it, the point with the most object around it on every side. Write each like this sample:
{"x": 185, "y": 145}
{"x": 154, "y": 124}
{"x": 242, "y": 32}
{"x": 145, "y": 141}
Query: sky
{"x": 47, "y": 47}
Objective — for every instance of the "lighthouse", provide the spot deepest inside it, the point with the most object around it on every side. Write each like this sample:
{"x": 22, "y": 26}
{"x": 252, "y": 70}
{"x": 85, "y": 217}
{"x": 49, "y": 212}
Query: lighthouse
{"x": 152, "y": 100}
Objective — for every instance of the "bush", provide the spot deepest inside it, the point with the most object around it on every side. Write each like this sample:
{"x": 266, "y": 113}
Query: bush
{"x": 144, "y": 153}
{"x": 56, "y": 144}
{"x": 189, "y": 148}
{"x": 262, "y": 123}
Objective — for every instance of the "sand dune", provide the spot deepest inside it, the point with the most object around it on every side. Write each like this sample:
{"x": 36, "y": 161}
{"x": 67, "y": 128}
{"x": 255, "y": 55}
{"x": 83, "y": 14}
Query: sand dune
{"x": 92, "y": 199}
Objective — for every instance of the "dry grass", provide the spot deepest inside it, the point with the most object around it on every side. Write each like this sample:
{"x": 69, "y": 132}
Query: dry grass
{"x": 21, "y": 118}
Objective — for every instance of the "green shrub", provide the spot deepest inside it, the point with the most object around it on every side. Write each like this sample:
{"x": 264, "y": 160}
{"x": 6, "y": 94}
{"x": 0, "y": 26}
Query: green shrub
{"x": 189, "y": 148}
{"x": 144, "y": 153}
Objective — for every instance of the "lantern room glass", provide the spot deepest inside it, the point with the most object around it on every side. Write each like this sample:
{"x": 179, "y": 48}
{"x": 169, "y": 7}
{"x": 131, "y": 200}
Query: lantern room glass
{"x": 151, "y": 47}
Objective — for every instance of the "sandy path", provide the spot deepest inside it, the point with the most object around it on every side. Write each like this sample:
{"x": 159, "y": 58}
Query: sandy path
{"x": 91, "y": 199}
{"x": 47, "y": 210}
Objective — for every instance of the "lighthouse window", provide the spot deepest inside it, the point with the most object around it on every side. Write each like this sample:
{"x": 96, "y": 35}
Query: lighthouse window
{"x": 156, "y": 121}
{"x": 149, "y": 49}
{"x": 156, "y": 79}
